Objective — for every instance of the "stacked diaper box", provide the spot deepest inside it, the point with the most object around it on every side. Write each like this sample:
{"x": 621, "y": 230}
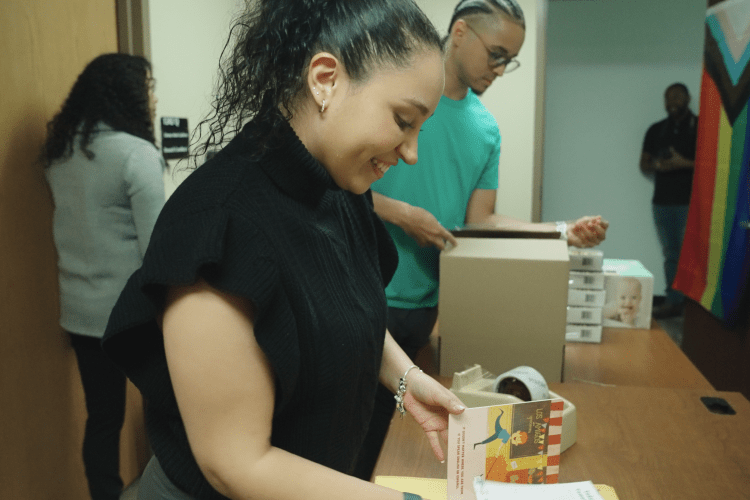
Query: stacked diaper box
{"x": 629, "y": 288}
{"x": 586, "y": 296}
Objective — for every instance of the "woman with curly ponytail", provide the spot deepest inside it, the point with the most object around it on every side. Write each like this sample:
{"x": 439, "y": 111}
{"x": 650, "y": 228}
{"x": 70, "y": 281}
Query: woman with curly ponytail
{"x": 105, "y": 175}
{"x": 256, "y": 326}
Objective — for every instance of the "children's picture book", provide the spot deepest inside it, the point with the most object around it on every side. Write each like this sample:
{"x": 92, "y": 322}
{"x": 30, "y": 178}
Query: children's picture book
{"x": 511, "y": 443}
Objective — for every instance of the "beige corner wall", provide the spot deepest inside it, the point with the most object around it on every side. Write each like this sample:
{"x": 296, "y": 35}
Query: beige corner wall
{"x": 186, "y": 42}
{"x": 44, "y": 45}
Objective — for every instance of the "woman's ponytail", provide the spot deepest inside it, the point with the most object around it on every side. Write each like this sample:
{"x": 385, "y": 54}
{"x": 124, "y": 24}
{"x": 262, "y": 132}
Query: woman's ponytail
{"x": 264, "y": 63}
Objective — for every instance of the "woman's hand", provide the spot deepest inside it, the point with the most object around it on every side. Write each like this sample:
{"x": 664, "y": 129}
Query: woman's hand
{"x": 430, "y": 403}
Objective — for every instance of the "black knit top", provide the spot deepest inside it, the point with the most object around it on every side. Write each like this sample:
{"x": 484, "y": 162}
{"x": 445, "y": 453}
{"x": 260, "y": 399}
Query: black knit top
{"x": 313, "y": 259}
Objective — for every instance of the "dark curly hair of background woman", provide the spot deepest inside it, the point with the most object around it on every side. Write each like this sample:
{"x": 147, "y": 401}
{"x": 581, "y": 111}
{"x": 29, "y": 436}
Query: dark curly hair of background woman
{"x": 113, "y": 89}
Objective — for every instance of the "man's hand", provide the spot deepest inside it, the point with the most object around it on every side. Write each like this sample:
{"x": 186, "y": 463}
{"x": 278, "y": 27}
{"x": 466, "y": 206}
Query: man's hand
{"x": 425, "y": 228}
{"x": 416, "y": 222}
{"x": 587, "y": 231}
{"x": 674, "y": 162}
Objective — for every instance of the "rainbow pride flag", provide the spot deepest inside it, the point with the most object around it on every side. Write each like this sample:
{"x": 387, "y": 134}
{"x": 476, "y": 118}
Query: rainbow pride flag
{"x": 715, "y": 259}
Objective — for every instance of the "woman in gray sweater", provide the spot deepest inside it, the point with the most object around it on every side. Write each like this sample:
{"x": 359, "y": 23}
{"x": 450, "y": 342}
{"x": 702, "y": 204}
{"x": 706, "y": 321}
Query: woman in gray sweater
{"x": 105, "y": 174}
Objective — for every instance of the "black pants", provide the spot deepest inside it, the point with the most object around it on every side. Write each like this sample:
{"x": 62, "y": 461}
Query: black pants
{"x": 411, "y": 329}
{"x": 104, "y": 389}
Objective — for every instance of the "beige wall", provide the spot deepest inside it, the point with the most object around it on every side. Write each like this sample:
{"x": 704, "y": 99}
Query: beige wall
{"x": 186, "y": 44}
{"x": 44, "y": 45}
{"x": 185, "y": 47}
{"x": 605, "y": 86}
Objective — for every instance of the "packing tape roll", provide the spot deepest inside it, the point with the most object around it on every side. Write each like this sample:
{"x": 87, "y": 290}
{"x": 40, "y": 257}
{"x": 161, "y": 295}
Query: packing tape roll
{"x": 523, "y": 382}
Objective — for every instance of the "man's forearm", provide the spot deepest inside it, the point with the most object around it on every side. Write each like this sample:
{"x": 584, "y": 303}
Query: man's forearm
{"x": 683, "y": 163}
{"x": 647, "y": 164}
{"x": 389, "y": 209}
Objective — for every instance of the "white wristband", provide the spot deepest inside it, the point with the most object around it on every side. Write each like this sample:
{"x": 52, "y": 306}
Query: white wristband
{"x": 562, "y": 228}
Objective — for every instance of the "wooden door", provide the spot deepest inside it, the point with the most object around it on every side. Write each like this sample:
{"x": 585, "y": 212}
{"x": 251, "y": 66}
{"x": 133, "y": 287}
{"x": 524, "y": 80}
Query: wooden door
{"x": 44, "y": 44}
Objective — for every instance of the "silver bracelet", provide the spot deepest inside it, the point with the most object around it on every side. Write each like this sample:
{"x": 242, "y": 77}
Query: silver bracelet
{"x": 562, "y": 228}
{"x": 399, "y": 397}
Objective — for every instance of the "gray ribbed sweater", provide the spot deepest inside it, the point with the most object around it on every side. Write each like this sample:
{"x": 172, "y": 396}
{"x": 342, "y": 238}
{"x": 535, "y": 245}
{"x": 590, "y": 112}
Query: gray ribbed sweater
{"x": 105, "y": 210}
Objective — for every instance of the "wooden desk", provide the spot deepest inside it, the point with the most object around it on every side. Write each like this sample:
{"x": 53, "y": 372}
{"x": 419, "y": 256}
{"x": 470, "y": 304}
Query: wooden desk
{"x": 645, "y": 358}
{"x": 647, "y": 443}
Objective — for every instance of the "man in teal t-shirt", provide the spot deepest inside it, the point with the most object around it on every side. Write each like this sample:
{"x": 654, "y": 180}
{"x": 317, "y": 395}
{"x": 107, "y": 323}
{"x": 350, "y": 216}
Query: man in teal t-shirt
{"x": 459, "y": 152}
{"x": 453, "y": 183}
{"x": 456, "y": 176}
{"x": 461, "y": 146}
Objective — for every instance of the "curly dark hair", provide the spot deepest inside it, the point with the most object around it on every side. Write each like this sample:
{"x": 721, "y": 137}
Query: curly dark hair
{"x": 264, "y": 62}
{"x": 113, "y": 89}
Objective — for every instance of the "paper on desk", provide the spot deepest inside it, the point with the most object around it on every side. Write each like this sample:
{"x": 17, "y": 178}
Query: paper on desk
{"x": 494, "y": 490}
{"x": 436, "y": 489}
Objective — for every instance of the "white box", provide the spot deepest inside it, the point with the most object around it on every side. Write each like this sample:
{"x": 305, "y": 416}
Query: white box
{"x": 475, "y": 389}
{"x": 583, "y": 333}
{"x": 586, "y": 280}
{"x": 585, "y": 259}
{"x": 629, "y": 287}
{"x": 587, "y": 298}
{"x": 502, "y": 305}
{"x": 584, "y": 315}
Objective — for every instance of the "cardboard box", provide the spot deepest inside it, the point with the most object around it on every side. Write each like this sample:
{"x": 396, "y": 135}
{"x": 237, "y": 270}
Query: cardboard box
{"x": 503, "y": 304}
{"x": 587, "y": 298}
{"x": 584, "y": 315}
{"x": 583, "y": 333}
{"x": 586, "y": 280}
{"x": 629, "y": 288}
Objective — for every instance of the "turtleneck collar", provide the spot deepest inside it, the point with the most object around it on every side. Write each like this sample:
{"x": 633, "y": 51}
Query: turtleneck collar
{"x": 292, "y": 168}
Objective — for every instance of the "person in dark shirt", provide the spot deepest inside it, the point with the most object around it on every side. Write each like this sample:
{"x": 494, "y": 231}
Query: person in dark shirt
{"x": 669, "y": 154}
{"x": 256, "y": 326}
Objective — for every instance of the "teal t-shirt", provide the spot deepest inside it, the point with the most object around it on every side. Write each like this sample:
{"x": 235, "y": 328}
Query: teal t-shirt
{"x": 458, "y": 151}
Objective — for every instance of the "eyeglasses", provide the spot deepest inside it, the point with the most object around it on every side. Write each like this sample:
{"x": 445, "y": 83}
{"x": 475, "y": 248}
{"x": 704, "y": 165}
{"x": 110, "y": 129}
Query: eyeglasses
{"x": 497, "y": 59}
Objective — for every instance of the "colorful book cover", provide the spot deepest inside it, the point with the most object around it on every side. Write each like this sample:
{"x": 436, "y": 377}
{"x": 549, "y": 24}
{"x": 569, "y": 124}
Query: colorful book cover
{"x": 513, "y": 443}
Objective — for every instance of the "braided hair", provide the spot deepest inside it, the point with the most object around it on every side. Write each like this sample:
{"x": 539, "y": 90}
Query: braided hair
{"x": 264, "y": 63}
{"x": 483, "y": 7}
{"x": 112, "y": 89}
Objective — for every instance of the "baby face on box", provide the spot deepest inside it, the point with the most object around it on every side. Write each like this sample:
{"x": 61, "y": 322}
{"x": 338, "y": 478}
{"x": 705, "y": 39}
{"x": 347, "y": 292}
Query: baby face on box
{"x": 628, "y": 300}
